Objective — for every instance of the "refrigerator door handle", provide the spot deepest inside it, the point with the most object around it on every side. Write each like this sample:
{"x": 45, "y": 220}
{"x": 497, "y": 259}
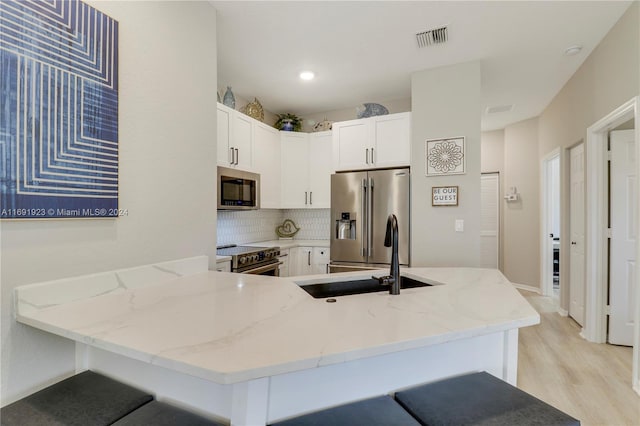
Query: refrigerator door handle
{"x": 370, "y": 218}
{"x": 364, "y": 217}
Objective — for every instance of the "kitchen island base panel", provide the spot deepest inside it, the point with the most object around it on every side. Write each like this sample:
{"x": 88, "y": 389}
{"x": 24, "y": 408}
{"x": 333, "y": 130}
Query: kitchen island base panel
{"x": 269, "y": 399}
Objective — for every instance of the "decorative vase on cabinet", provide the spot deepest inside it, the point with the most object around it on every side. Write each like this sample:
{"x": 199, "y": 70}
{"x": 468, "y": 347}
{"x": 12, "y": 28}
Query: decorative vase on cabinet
{"x": 229, "y": 99}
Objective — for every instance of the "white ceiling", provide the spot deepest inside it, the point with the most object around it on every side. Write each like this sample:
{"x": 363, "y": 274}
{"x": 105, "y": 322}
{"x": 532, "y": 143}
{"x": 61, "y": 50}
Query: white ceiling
{"x": 365, "y": 51}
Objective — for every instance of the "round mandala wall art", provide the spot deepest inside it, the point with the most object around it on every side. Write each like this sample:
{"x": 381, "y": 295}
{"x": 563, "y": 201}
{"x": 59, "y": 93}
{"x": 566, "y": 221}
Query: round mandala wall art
{"x": 444, "y": 156}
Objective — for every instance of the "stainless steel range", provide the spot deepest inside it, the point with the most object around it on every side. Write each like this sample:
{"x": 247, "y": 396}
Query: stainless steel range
{"x": 252, "y": 260}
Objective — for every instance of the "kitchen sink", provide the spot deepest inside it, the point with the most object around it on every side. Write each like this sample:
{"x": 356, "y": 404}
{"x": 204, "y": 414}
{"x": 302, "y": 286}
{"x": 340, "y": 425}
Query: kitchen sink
{"x": 358, "y": 286}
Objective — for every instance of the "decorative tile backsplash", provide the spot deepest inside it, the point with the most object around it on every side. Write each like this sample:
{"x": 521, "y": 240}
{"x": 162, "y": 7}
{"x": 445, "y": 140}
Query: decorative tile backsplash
{"x": 241, "y": 227}
{"x": 313, "y": 223}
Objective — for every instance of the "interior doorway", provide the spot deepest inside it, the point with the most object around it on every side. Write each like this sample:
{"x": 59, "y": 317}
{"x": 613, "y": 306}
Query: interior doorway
{"x": 577, "y": 287}
{"x": 623, "y": 241}
{"x": 490, "y": 220}
{"x": 597, "y": 226}
{"x": 550, "y": 241}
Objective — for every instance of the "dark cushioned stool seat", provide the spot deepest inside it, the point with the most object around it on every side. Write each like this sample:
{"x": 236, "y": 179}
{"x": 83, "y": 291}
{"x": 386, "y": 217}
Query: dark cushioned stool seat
{"x": 478, "y": 399}
{"x": 86, "y": 399}
{"x": 382, "y": 411}
{"x": 160, "y": 414}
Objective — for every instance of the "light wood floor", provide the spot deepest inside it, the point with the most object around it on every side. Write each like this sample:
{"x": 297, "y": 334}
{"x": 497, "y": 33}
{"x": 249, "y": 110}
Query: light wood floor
{"x": 590, "y": 381}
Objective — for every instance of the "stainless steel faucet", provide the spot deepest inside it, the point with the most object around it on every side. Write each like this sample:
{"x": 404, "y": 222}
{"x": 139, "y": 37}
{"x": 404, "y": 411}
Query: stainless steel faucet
{"x": 391, "y": 240}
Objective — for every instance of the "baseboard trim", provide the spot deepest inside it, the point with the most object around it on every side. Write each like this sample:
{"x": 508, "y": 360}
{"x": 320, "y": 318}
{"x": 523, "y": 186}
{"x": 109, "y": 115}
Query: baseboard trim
{"x": 563, "y": 312}
{"x": 527, "y": 287}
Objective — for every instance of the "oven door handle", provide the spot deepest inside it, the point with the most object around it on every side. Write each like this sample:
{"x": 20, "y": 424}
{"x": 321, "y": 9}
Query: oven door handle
{"x": 269, "y": 267}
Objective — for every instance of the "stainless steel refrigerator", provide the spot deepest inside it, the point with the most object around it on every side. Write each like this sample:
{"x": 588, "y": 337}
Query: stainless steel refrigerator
{"x": 360, "y": 205}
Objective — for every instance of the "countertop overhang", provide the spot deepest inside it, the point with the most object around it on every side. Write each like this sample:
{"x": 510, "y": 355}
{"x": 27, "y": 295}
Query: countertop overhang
{"x": 229, "y": 328}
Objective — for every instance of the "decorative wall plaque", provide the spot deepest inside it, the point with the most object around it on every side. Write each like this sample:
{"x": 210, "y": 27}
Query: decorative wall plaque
{"x": 444, "y": 196}
{"x": 444, "y": 156}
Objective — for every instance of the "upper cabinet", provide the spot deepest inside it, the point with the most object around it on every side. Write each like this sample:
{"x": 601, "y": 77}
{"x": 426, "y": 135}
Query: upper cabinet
{"x": 374, "y": 142}
{"x": 235, "y": 138}
{"x": 267, "y": 162}
{"x": 306, "y": 170}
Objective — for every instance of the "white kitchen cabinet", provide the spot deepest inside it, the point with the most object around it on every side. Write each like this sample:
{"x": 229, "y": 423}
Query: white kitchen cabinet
{"x": 235, "y": 139}
{"x": 306, "y": 169}
{"x": 300, "y": 261}
{"x": 223, "y": 265}
{"x": 224, "y": 135}
{"x": 320, "y": 260}
{"x": 308, "y": 260}
{"x": 267, "y": 162}
{"x": 320, "y": 169}
{"x": 284, "y": 266}
{"x": 374, "y": 142}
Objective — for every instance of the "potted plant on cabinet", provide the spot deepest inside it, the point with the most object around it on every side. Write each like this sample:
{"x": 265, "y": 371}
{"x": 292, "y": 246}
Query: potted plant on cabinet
{"x": 288, "y": 122}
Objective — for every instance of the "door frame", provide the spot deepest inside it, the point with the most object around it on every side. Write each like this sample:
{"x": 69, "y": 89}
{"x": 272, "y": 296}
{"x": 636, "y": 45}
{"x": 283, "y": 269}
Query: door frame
{"x": 596, "y": 240}
{"x": 546, "y": 252}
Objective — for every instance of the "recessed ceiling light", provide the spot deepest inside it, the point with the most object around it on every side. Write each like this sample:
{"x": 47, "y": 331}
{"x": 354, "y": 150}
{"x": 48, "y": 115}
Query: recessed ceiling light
{"x": 307, "y": 75}
{"x": 572, "y": 50}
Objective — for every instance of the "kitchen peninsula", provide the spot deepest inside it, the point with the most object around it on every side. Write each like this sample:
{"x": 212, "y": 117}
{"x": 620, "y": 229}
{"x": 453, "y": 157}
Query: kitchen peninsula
{"x": 255, "y": 349}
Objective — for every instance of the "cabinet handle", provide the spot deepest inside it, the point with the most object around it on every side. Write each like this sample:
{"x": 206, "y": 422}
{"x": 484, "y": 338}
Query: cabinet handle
{"x": 237, "y": 156}
{"x": 233, "y": 158}
{"x": 366, "y": 156}
{"x": 305, "y": 198}
{"x": 372, "y": 160}
{"x": 309, "y": 258}
{"x": 311, "y": 198}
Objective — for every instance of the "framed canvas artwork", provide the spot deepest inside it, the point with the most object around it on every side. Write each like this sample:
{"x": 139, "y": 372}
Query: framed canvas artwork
{"x": 59, "y": 110}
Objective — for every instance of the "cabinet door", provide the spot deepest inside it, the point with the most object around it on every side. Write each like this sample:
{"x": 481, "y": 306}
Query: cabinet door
{"x": 223, "y": 266}
{"x": 350, "y": 144}
{"x": 295, "y": 170}
{"x": 223, "y": 136}
{"x": 304, "y": 260}
{"x": 320, "y": 260}
{"x": 320, "y": 169}
{"x": 266, "y": 154}
{"x": 392, "y": 135}
{"x": 284, "y": 267}
{"x": 241, "y": 140}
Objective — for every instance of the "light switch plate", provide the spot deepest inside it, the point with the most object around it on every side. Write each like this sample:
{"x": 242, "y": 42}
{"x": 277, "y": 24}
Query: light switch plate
{"x": 459, "y": 225}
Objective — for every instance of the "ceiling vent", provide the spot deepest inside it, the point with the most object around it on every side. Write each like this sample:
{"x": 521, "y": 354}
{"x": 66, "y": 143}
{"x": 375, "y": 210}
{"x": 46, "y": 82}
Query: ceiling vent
{"x": 498, "y": 109}
{"x": 434, "y": 36}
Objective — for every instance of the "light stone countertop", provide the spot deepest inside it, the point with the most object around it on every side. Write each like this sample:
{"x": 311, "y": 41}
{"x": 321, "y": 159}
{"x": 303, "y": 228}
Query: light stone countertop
{"x": 229, "y": 328}
{"x": 286, "y": 244}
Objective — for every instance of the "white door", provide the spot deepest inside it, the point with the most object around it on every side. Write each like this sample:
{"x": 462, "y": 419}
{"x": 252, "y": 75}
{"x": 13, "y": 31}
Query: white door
{"x": 622, "y": 260}
{"x": 576, "y": 230}
{"x": 489, "y": 219}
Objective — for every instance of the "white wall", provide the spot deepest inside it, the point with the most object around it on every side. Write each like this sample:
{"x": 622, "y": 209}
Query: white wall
{"x": 345, "y": 114}
{"x": 606, "y": 79}
{"x": 167, "y": 127}
{"x": 522, "y": 218}
{"x": 445, "y": 102}
{"x": 492, "y": 161}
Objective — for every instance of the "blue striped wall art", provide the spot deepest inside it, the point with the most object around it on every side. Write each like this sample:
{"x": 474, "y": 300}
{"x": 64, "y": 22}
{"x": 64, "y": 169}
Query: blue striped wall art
{"x": 58, "y": 110}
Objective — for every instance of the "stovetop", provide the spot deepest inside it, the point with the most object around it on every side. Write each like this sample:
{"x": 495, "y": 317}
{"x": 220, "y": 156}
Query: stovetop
{"x": 234, "y": 250}
{"x": 243, "y": 257}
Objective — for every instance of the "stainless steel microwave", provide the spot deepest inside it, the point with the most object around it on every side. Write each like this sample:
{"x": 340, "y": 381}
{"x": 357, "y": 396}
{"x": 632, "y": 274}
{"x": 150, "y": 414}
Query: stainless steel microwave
{"x": 238, "y": 190}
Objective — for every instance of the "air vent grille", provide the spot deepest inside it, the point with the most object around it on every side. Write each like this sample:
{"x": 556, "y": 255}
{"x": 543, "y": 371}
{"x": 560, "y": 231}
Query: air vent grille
{"x": 498, "y": 109}
{"x": 434, "y": 36}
